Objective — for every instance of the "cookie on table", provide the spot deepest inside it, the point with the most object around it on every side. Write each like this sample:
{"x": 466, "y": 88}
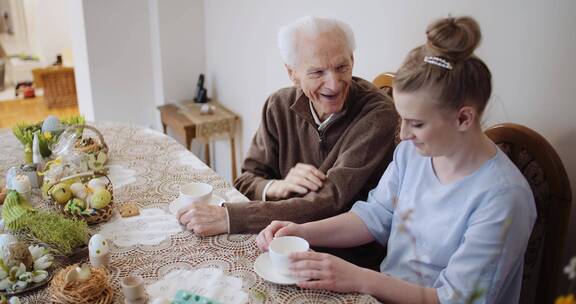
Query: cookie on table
{"x": 129, "y": 209}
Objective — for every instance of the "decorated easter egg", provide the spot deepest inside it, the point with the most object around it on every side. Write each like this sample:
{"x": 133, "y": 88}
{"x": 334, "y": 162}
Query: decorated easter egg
{"x": 100, "y": 199}
{"x": 51, "y": 124}
{"x": 97, "y": 184}
{"x": 21, "y": 183}
{"x": 79, "y": 190}
{"x": 98, "y": 245}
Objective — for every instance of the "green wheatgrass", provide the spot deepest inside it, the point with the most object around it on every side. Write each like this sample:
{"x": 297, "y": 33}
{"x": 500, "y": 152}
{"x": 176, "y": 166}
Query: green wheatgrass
{"x": 74, "y": 120}
{"x": 24, "y": 131}
{"x": 62, "y": 234}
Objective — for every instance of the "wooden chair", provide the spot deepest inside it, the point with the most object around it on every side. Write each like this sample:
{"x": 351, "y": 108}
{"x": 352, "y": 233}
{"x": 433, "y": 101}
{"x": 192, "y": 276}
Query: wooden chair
{"x": 59, "y": 86}
{"x": 384, "y": 82}
{"x": 543, "y": 169}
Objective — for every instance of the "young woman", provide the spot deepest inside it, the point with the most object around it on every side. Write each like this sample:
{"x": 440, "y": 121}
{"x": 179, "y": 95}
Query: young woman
{"x": 454, "y": 211}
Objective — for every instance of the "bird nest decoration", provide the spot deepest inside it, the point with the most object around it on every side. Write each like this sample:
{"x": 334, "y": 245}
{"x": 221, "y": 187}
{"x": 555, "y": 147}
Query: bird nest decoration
{"x": 81, "y": 285}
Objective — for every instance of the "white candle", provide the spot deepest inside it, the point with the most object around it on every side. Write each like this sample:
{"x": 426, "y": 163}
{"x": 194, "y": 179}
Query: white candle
{"x": 36, "y": 155}
{"x": 21, "y": 183}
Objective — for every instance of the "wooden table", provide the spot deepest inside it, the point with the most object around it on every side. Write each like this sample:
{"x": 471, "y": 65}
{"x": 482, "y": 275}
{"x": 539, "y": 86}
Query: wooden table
{"x": 185, "y": 127}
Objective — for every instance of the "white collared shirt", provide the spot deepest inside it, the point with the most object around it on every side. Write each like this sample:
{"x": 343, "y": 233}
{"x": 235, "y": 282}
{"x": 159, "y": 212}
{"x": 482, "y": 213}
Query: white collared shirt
{"x": 321, "y": 124}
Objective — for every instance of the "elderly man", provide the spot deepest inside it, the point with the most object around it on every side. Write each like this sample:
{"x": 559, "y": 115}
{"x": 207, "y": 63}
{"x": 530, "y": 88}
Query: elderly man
{"x": 322, "y": 144}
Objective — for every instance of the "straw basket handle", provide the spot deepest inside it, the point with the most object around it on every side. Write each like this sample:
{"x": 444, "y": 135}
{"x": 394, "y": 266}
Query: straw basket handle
{"x": 96, "y": 131}
{"x": 94, "y": 174}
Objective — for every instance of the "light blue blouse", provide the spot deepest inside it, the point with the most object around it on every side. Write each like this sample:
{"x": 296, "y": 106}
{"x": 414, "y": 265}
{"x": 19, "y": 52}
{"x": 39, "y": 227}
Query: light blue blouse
{"x": 465, "y": 236}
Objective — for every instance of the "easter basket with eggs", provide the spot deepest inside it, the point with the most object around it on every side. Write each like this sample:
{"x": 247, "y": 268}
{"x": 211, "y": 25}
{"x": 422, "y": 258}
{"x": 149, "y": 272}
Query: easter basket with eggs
{"x": 86, "y": 196}
{"x": 77, "y": 138}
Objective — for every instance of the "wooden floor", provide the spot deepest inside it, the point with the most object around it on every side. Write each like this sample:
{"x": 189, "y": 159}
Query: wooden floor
{"x": 30, "y": 110}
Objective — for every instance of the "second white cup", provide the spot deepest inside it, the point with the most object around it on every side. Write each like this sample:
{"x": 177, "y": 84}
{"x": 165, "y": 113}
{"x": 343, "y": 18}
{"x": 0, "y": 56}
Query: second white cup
{"x": 280, "y": 248}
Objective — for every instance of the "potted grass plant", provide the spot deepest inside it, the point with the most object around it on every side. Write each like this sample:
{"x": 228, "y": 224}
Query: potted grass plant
{"x": 47, "y": 131}
{"x": 63, "y": 236}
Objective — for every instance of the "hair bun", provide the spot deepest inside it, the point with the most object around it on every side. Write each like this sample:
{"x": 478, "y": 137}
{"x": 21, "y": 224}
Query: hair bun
{"x": 453, "y": 38}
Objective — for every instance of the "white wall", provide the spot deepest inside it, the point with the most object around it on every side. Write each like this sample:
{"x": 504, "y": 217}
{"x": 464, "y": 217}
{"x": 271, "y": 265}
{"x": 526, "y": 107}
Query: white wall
{"x": 16, "y": 42}
{"x": 529, "y": 45}
{"x": 48, "y": 27}
{"x": 181, "y": 51}
{"x": 135, "y": 55}
{"x": 181, "y": 25}
{"x": 42, "y": 28}
{"x": 81, "y": 61}
{"x": 119, "y": 76}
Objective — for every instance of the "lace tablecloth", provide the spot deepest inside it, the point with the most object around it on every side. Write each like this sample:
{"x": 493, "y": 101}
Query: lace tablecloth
{"x": 148, "y": 168}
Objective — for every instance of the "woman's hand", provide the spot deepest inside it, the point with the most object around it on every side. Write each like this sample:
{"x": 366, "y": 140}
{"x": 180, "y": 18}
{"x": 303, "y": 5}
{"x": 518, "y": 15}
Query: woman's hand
{"x": 276, "y": 229}
{"x": 326, "y": 271}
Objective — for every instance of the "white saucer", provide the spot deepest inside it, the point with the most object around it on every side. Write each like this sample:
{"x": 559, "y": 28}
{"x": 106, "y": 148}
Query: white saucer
{"x": 175, "y": 205}
{"x": 264, "y": 268}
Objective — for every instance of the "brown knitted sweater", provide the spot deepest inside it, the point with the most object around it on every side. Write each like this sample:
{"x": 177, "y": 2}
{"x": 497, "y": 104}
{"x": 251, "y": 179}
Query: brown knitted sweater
{"x": 353, "y": 150}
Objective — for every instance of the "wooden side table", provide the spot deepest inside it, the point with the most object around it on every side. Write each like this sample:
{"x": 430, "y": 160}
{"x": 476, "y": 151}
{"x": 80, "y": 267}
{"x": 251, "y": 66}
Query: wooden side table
{"x": 186, "y": 122}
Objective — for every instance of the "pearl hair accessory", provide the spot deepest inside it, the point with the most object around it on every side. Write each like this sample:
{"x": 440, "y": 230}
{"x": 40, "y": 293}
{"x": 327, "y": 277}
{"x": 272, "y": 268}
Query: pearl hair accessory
{"x": 439, "y": 61}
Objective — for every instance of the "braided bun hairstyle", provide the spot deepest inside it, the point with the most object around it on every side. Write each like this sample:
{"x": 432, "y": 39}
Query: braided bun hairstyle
{"x": 446, "y": 65}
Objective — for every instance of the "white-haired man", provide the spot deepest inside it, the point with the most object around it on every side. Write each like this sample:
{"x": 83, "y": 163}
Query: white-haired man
{"x": 322, "y": 144}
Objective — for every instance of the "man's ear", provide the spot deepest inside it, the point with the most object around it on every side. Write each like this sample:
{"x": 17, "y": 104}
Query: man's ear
{"x": 292, "y": 75}
{"x": 466, "y": 118}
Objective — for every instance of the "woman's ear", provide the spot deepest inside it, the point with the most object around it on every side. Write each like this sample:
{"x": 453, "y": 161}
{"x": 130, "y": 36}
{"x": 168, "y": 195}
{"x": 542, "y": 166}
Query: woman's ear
{"x": 466, "y": 118}
{"x": 292, "y": 75}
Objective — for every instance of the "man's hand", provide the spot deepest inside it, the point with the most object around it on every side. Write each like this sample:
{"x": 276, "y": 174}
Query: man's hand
{"x": 301, "y": 179}
{"x": 276, "y": 229}
{"x": 203, "y": 219}
{"x": 325, "y": 271}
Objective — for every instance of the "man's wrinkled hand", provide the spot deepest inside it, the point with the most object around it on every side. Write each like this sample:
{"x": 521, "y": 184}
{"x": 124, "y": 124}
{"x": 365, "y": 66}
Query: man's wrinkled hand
{"x": 301, "y": 179}
{"x": 203, "y": 219}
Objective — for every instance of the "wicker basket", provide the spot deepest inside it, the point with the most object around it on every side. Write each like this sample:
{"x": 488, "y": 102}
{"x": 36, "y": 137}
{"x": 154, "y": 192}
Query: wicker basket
{"x": 100, "y": 215}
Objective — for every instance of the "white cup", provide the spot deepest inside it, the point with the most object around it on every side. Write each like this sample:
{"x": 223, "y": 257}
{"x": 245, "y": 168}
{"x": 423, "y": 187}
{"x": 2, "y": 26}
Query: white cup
{"x": 280, "y": 248}
{"x": 195, "y": 193}
{"x": 133, "y": 288}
